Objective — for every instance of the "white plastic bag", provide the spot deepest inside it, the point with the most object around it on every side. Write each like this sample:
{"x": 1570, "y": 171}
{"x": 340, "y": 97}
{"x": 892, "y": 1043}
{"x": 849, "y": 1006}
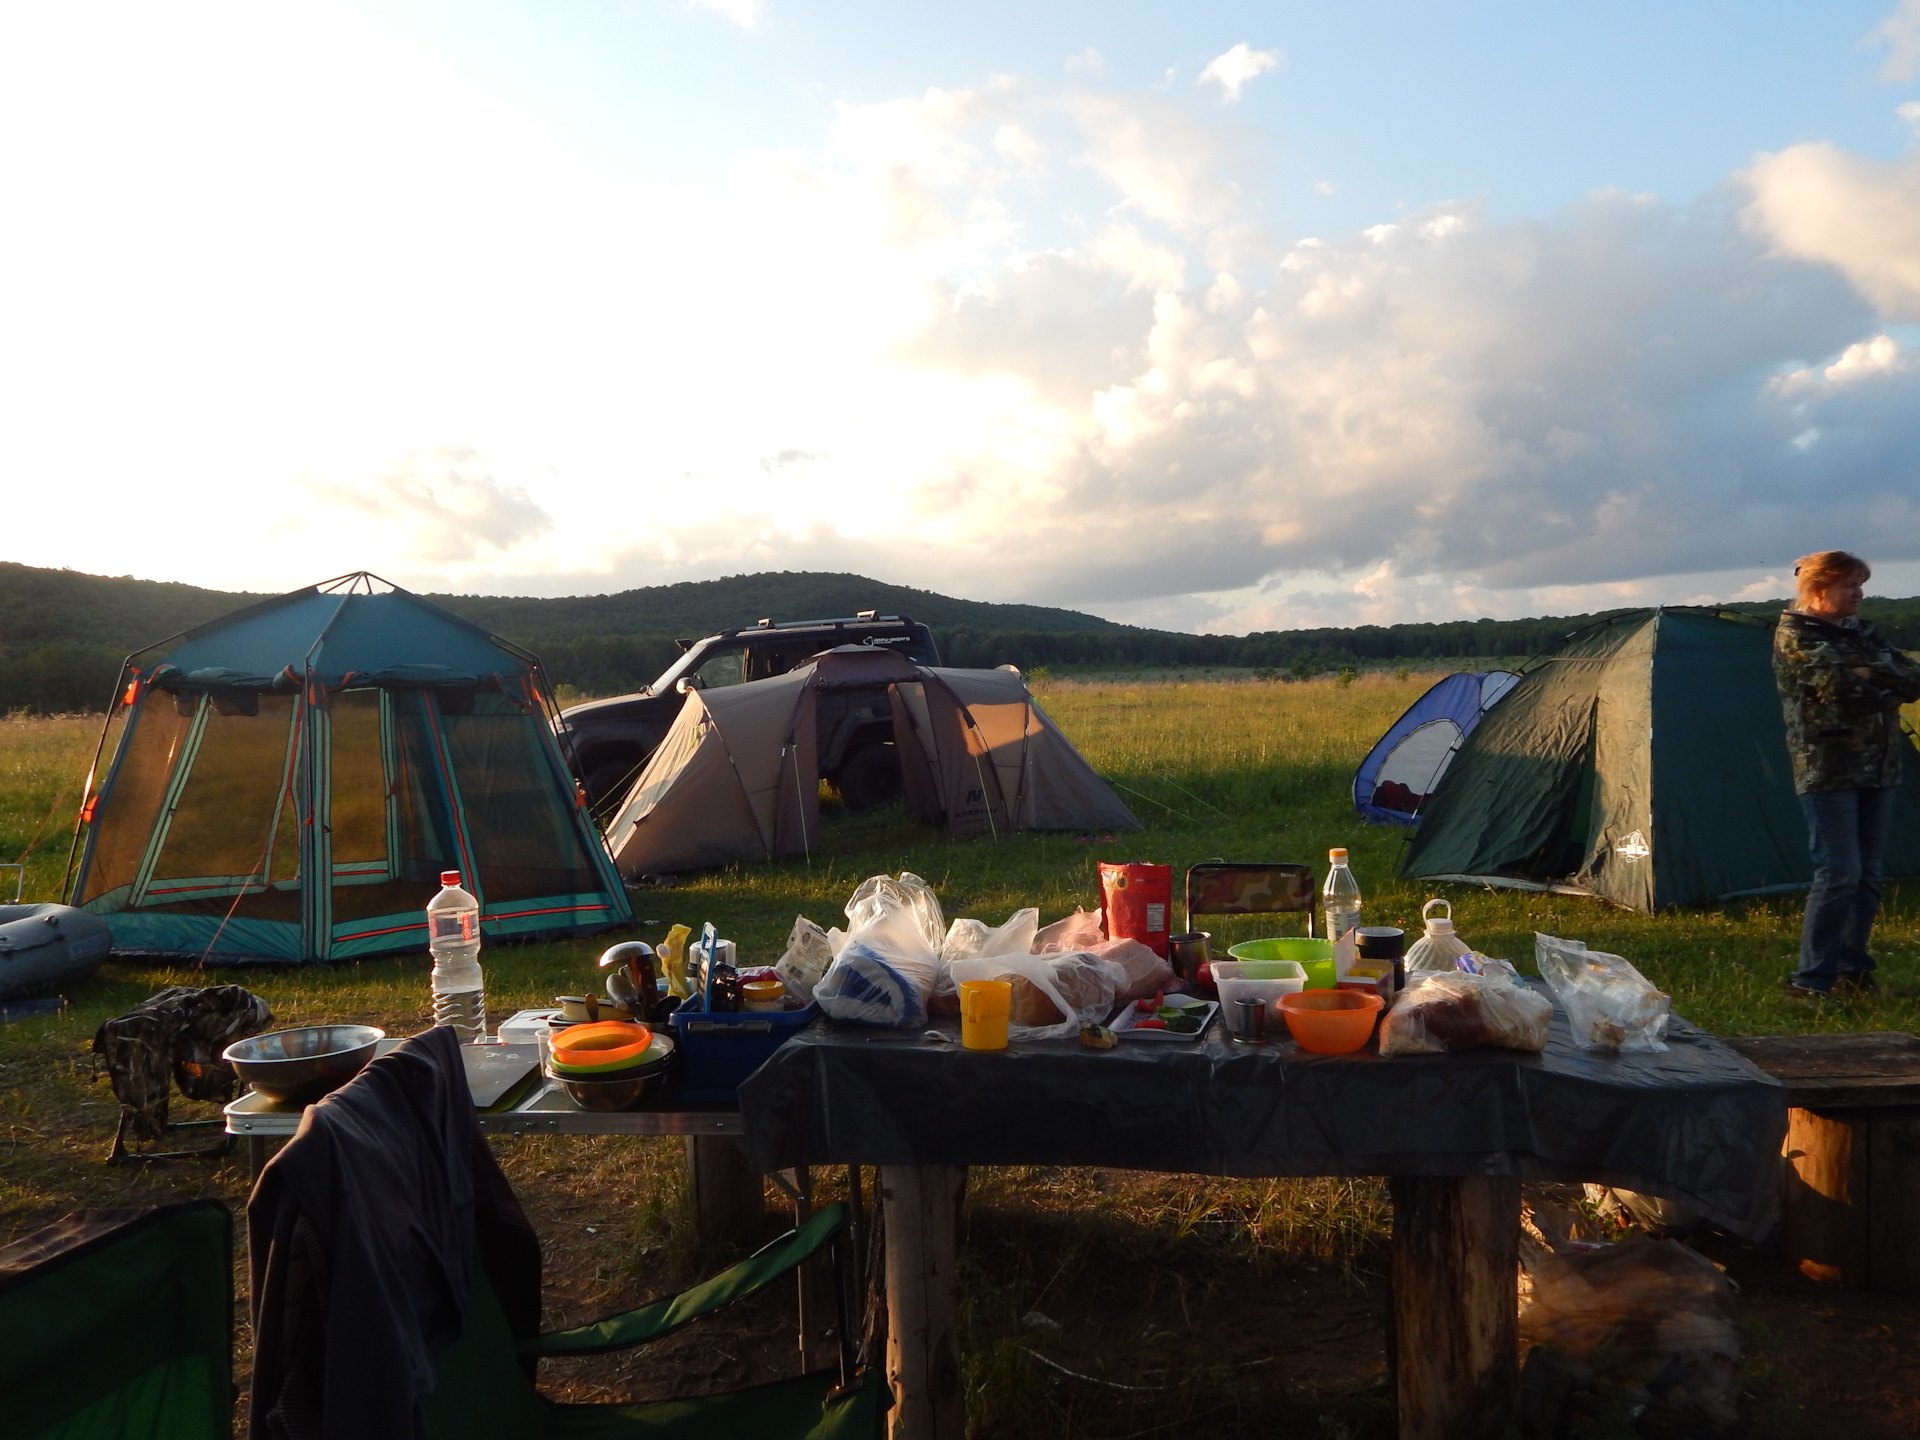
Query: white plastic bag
{"x": 1144, "y": 973}
{"x": 1076, "y": 986}
{"x": 807, "y": 957}
{"x": 879, "y": 893}
{"x": 1081, "y": 930}
{"x": 967, "y": 939}
{"x": 1609, "y": 1004}
{"x": 884, "y": 973}
{"x": 1459, "y": 1011}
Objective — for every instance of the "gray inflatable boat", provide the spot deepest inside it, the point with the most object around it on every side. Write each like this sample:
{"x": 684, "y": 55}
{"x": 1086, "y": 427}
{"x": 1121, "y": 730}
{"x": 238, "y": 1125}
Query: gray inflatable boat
{"x": 43, "y": 947}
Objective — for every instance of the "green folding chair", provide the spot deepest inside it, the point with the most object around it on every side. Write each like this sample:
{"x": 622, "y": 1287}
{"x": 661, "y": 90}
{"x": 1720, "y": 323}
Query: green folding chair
{"x": 118, "y": 1325}
{"x": 486, "y": 1383}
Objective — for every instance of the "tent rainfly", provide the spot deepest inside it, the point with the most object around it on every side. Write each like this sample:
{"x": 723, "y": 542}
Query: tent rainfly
{"x": 737, "y": 776}
{"x": 1645, "y": 762}
{"x": 1404, "y": 767}
{"x": 371, "y": 738}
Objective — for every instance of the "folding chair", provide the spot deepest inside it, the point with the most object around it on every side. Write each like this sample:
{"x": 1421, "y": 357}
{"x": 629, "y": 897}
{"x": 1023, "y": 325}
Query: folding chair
{"x": 119, "y": 1323}
{"x": 1221, "y": 887}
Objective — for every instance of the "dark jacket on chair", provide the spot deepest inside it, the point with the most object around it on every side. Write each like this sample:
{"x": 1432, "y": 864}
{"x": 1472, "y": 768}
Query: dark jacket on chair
{"x": 362, "y": 1233}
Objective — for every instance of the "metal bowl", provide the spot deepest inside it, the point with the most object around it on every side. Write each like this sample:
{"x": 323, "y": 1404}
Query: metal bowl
{"x": 303, "y": 1064}
{"x": 616, "y": 1094}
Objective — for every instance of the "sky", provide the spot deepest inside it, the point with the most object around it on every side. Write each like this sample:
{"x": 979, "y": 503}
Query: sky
{"x": 1217, "y": 316}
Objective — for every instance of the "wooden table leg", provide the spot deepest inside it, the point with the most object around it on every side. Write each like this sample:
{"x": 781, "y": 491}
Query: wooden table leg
{"x": 729, "y": 1197}
{"x": 1454, "y": 1343}
{"x": 922, "y": 1223}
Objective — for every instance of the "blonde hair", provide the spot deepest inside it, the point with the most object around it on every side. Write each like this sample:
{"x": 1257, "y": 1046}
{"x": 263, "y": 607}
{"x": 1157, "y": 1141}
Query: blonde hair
{"x": 1814, "y": 573}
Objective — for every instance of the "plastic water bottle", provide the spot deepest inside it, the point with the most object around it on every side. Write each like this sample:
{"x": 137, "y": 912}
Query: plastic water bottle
{"x": 1341, "y": 896}
{"x": 453, "y": 935}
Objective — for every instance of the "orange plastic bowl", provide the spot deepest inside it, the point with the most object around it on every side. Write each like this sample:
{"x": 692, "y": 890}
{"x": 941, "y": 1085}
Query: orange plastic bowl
{"x": 1331, "y": 1022}
{"x": 601, "y": 1045}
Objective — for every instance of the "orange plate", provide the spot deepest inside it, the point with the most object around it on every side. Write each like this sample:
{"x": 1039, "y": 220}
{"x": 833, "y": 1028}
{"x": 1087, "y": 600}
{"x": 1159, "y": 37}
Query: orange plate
{"x": 1331, "y": 1022}
{"x": 605, "y": 1042}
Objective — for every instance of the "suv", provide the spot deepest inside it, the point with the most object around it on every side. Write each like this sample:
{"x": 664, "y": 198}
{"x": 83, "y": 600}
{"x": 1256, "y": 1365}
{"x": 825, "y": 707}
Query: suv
{"x": 607, "y": 742}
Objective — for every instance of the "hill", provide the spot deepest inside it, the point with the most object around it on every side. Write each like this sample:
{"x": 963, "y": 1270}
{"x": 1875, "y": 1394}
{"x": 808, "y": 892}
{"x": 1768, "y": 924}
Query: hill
{"x": 66, "y": 607}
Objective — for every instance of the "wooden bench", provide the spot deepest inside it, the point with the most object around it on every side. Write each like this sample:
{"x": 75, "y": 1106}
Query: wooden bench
{"x": 1850, "y": 1187}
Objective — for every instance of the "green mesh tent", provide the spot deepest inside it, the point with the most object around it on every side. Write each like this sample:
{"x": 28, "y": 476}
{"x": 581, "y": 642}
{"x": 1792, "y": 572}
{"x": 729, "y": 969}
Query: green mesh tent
{"x": 363, "y": 735}
{"x": 1644, "y": 762}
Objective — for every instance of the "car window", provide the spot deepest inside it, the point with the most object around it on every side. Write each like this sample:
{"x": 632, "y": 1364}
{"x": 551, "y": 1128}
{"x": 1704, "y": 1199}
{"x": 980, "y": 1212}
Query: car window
{"x": 722, "y": 669}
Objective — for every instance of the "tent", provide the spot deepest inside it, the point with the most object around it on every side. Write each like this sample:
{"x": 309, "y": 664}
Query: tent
{"x": 1404, "y": 768}
{"x": 371, "y": 738}
{"x": 737, "y": 776}
{"x": 1645, "y": 762}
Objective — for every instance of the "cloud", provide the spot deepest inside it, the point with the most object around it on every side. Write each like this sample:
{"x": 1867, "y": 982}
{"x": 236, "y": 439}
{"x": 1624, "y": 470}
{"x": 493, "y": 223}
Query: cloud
{"x": 1910, "y": 112}
{"x": 446, "y": 504}
{"x": 1900, "y": 33}
{"x": 747, "y": 14}
{"x": 1087, "y": 62}
{"x": 1237, "y": 68}
{"x": 1862, "y": 216}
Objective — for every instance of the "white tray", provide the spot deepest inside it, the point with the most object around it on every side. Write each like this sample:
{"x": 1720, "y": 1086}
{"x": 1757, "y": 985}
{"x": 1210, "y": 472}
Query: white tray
{"x": 1122, "y": 1025}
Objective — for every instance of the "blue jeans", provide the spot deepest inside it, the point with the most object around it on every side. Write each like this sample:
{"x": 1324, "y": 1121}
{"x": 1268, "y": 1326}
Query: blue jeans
{"x": 1849, "y": 830}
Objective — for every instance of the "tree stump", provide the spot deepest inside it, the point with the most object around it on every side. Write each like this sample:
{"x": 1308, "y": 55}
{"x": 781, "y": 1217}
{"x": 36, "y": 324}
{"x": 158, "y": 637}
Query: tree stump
{"x": 1453, "y": 1344}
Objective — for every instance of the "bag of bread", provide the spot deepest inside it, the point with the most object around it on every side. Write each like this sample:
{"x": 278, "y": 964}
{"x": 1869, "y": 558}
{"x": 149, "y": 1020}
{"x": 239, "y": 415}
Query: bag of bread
{"x": 1052, "y": 994}
{"x": 1459, "y": 1011}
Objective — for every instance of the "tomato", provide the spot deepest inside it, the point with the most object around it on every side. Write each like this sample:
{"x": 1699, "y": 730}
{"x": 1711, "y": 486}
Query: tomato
{"x": 1146, "y": 1007}
{"x": 1154, "y": 1024}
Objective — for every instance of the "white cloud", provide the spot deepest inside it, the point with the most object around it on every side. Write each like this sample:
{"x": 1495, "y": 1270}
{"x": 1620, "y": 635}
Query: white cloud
{"x": 1862, "y": 216}
{"x": 1237, "y": 68}
{"x": 747, "y": 14}
{"x": 1087, "y": 62}
{"x": 1900, "y": 33}
{"x": 1910, "y": 112}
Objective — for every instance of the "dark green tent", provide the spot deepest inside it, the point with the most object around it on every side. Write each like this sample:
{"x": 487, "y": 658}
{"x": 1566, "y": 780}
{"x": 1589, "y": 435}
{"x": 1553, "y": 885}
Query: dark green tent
{"x": 1644, "y": 762}
{"x": 366, "y": 736}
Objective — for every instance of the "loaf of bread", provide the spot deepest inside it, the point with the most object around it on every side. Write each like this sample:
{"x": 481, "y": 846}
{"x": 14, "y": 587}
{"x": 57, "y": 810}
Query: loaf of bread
{"x": 1457, "y": 1011}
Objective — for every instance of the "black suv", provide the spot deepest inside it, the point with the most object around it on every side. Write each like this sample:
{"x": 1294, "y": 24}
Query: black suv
{"x": 608, "y": 741}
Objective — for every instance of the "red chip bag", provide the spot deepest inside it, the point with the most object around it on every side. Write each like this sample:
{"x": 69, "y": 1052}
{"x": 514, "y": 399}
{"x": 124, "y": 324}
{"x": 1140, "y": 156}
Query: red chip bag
{"x": 1136, "y": 900}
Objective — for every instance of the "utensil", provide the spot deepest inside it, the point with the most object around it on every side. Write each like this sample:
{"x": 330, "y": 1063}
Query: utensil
{"x": 608, "y": 1042}
{"x": 985, "y": 1006}
{"x": 1188, "y": 952}
{"x": 305, "y": 1063}
{"x": 1247, "y": 1021}
{"x": 1331, "y": 1022}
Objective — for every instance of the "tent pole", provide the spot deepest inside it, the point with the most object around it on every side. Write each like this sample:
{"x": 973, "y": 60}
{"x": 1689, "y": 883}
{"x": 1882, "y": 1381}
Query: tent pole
{"x": 99, "y": 749}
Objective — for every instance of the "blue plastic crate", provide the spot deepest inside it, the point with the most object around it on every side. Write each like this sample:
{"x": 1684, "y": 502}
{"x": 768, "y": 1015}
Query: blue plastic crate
{"x": 720, "y": 1049}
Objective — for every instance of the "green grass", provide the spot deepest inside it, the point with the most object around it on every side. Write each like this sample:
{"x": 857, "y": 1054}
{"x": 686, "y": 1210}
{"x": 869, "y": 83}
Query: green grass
{"x": 1252, "y": 771}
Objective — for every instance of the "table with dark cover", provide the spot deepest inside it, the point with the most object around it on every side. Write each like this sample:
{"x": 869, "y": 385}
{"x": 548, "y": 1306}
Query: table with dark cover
{"x": 1697, "y": 1123}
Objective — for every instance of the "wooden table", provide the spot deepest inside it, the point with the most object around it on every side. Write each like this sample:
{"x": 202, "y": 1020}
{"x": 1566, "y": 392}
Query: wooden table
{"x": 1456, "y": 1135}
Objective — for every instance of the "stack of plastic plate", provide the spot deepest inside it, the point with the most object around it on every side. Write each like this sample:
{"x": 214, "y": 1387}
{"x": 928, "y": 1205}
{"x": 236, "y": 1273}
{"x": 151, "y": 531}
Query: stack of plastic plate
{"x": 609, "y": 1065}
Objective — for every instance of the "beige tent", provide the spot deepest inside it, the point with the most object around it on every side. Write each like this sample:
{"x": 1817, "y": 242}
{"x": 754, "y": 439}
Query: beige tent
{"x": 738, "y": 778}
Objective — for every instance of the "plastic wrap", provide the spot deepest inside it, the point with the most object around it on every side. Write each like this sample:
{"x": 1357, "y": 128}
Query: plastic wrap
{"x": 1075, "y": 987}
{"x": 878, "y": 894}
{"x": 808, "y": 954}
{"x": 1609, "y": 1004}
{"x": 1144, "y": 973}
{"x": 1459, "y": 1011}
{"x": 1628, "y": 1339}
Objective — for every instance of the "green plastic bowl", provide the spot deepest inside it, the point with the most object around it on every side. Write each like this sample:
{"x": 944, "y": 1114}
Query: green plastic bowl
{"x": 1313, "y": 956}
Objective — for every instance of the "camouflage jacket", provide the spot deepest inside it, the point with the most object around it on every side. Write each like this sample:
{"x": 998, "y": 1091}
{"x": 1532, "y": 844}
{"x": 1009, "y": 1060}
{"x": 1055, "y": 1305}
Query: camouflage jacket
{"x": 1843, "y": 729}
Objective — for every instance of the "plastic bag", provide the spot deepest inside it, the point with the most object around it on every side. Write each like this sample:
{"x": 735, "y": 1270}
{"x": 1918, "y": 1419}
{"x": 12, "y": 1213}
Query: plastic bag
{"x": 1143, "y": 973}
{"x": 884, "y": 973}
{"x": 1074, "y": 986}
{"x": 1462, "y": 1012}
{"x": 968, "y": 938}
{"x": 1081, "y": 930}
{"x": 808, "y": 954}
{"x": 878, "y": 894}
{"x": 1609, "y": 1004}
{"x": 1643, "y": 1334}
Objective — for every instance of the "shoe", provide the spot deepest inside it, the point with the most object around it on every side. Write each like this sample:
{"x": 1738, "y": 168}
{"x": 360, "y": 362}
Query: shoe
{"x": 1807, "y": 993}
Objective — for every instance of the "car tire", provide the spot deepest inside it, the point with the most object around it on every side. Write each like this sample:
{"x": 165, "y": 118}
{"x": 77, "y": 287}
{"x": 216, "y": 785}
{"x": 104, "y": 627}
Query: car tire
{"x": 608, "y": 782}
{"x": 870, "y": 779}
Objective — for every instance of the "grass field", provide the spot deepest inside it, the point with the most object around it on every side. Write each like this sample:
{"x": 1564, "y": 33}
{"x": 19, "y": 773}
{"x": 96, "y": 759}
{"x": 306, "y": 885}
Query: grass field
{"x": 1252, "y": 771}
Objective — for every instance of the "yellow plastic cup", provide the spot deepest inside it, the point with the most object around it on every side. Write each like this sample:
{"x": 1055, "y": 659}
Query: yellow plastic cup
{"x": 984, "y": 1007}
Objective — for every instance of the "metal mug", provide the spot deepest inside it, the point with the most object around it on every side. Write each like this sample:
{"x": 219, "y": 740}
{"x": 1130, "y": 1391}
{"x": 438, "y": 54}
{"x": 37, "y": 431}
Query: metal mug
{"x": 1188, "y": 952}
{"x": 1247, "y": 1022}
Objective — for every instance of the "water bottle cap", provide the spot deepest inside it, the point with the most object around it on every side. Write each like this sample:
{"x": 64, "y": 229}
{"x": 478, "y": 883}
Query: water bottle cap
{"x": 1439, "y": 925}
{"x": 449, "y": 877}
{"x": 1337, "y": 854}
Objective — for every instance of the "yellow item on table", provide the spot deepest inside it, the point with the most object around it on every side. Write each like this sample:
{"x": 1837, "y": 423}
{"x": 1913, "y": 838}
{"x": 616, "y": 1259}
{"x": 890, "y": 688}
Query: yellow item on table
{"x": 984, "y": 1009}
{"x": 672, "y": 954}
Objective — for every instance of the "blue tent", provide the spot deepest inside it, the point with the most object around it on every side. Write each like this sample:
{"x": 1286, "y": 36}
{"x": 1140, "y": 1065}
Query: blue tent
{"x": 1405, "y": 766}
{"x": 366, "y": 736}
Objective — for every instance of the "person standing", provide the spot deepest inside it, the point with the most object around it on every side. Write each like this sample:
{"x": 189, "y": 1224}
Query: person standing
{"x": 1841, "y": 688}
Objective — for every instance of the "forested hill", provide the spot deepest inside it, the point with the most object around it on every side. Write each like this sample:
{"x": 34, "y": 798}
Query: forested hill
{"x": 62, "y": 633}
{"x": 42, "y": 607}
